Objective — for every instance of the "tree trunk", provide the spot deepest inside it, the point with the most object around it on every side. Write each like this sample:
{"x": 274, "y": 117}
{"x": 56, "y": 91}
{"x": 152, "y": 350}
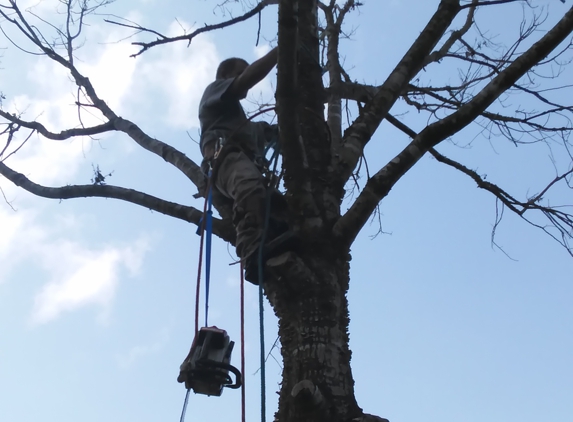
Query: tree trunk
{"x": 307, "y": 289}
{"x": 308, "y": 296}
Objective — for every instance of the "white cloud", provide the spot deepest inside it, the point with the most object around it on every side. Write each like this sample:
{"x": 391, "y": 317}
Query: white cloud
{"x": 138, "y": 352}
{"x": 91, "y": 281}
{"x": 178, "y": 74}
{"x": 261, "y": 50}
{"x": 81, "y": 276}
{"x": 109, "y": 65}
{"x": 48, "y": 162}
{"x": 19, "y": 235}
{"x": 77, "y": 273}
{"x": 11, "y": 226}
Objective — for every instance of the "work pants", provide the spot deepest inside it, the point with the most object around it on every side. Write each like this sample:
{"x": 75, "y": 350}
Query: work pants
{"x": 239, "y": 179}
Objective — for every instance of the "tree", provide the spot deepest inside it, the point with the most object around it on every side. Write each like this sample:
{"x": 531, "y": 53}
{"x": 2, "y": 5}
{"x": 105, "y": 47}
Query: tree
{"x": 322, "y": 163}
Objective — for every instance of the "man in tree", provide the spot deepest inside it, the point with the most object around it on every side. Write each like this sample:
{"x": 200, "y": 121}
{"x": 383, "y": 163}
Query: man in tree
{"x": 233, "y": 147}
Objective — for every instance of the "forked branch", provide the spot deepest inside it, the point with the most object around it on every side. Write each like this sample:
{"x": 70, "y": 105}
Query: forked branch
{"x": 378, "y": 186}
{"x": 560, "y": 225}
{"x": 360, "y": 132}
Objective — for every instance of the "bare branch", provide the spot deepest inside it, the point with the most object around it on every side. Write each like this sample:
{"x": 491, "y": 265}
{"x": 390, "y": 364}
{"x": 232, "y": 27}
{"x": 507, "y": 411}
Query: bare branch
{"x": 454, "y": 37}
{"x": 182, "y": 212}
{"x": 525, "y": 124}
{"x": 167, "y": 152}
{"x": 360, "y": 132}
{"x": 144, "y": 46}
{"x": 490, "y": 3}
{"x": 380, "y": 184}
{"x": 6, "y": 199}
{"x": 163, "y": 150}
{"x": 61, "y": 136}
{"x": 136, "y": 26}
{"x": 11, "y": 131}
{"x": 559, "y": 220}
{"x": 332, "y": 32}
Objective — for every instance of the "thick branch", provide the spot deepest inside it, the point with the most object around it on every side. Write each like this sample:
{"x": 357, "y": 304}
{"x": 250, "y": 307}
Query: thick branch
{"x": 172, "y": 209}
{"x": 165, "y": 151}
{"x": 287, "y": 95}
{"x": 360, "y": 132}
{"x": 357, "y": 92}
{"x": 490, "y": 3}
{"x": 382, "y": 182}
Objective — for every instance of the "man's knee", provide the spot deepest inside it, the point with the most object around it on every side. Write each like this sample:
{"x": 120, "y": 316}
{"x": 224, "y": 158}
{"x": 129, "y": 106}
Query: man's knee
{"x": 238, "y": 177}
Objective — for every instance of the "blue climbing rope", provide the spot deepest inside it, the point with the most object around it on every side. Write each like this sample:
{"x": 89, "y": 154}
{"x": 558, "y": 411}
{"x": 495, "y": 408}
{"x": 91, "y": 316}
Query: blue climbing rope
{"x": 274, "y": 160}
{"x": 262, "y": 330}
{"x": 184, "y": 410}
{"x": 208, "y": 237}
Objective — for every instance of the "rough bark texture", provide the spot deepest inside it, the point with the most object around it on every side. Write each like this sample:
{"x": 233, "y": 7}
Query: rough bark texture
{"x": 309, "y": 298}
{"x": 308, "y": 289}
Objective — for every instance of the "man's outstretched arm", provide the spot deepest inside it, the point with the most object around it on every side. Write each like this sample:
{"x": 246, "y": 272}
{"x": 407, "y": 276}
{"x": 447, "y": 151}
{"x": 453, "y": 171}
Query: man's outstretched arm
{"x": 254, "y": 73}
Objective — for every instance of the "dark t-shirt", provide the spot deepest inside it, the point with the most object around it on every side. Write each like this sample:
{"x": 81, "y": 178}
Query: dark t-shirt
{"x": 221, "y": 115}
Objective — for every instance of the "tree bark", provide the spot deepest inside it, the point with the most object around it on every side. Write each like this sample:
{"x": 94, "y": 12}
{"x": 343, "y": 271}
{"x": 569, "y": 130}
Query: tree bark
{"x": 309, "y": 298}
{"x": 307, "y": 289}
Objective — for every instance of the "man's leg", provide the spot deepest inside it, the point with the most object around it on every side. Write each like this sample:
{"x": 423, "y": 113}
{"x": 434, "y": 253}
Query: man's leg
{"x": 239, "y": 179}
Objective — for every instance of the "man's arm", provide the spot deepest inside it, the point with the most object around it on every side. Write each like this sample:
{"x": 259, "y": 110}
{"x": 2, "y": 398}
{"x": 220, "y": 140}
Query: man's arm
{"x": 254, "y": 73}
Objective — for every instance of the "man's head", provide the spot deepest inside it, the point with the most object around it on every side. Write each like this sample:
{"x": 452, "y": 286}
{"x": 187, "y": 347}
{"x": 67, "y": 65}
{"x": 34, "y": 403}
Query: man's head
{"x": 231, "y": 68}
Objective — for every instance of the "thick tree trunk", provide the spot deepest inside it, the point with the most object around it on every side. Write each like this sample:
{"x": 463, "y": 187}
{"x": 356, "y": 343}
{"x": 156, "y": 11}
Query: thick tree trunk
{"x": 308, "y": 296}
{"x": 307, "y": 289}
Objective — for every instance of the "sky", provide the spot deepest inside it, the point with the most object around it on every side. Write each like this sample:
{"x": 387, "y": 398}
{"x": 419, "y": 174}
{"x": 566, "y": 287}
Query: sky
{"x": 97, "y": 296}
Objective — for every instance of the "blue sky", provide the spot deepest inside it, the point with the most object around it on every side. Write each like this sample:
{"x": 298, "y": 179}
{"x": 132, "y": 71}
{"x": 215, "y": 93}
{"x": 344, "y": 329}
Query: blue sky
{"x": 96, "y": 295}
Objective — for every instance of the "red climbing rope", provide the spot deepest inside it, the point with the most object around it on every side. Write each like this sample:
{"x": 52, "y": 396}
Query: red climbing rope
{"x": 243, "y": 405}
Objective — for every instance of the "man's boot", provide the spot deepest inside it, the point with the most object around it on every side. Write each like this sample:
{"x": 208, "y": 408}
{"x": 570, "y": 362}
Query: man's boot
{"x": 285, "y": 242}
{"x": 278, "y": 237}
